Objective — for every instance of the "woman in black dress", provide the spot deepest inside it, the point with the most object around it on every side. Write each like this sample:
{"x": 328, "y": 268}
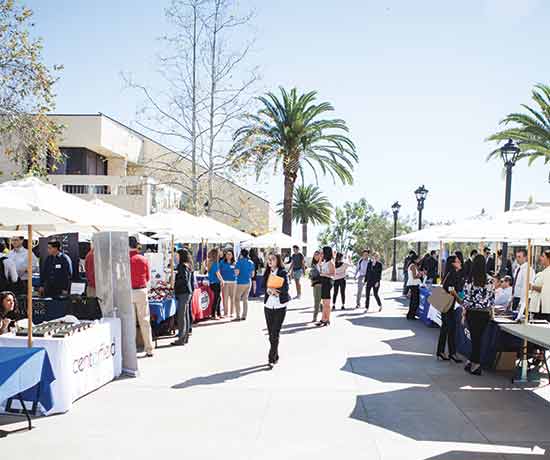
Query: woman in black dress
{"x": 453, "y": 284}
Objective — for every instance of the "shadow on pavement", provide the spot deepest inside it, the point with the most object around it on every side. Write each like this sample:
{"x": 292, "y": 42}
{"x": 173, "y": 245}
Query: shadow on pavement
{"x": 220, "y": 377}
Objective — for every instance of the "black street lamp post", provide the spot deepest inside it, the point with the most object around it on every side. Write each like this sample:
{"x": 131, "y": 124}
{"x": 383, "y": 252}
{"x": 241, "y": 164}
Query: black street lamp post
{"x": 509, "y": 153}
{"x": 395, "y": 208}
{"x": 420, "y": 193}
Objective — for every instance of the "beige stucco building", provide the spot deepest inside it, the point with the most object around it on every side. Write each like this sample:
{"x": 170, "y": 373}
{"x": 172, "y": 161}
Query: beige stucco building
{"x": 106, "y": 159}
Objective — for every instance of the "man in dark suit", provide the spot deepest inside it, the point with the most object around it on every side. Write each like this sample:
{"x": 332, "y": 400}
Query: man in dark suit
{"x": 489, "y": 261}
{"x": 372, "y": 280}
{"x": 467, "y": 270}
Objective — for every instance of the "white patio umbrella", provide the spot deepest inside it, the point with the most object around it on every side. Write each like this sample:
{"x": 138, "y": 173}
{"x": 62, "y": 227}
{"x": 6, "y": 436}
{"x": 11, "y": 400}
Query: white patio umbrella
{"x": 273, "y": 240}
{"x": 44, "y": 208}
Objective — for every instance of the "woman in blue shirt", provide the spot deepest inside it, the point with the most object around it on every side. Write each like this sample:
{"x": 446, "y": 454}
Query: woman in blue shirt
{"x": 227, "y": 271}
{"x": 245, "y": 271}
{"x": 215, "y": 281}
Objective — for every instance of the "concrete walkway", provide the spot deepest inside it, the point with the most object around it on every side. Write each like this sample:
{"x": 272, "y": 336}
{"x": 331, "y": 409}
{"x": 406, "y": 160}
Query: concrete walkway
{"x": 367, "y": 387}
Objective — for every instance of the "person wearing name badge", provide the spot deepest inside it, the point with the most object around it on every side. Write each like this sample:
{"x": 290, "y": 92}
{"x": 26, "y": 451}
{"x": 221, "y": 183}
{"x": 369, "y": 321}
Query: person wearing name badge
{"x": 520, "y": 275}
{"x": 276, "y": 300}
{"x": 56, "y": 273}
{"x": 245, "y": 271}
{"x": 227, "y": 270}
{"x": 215, "y": 281}
{"x": 19, "y": 256}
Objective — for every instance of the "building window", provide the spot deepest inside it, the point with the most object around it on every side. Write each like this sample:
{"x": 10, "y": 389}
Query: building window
{"x": 132, "y": 190}
{"x": 87, "y": 189}
{"x": 79, "y": 161}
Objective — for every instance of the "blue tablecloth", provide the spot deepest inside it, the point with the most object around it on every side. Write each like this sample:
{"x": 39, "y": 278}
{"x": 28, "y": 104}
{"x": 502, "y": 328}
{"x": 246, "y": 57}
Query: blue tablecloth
{"x": 36, "y": 281}
{"x": 27, "y": 371}
{"x": 260, "y": 287}
{"x": 494, "y": 340}
{"x": 424, "y": 306}
{"x": 161, "y": 311}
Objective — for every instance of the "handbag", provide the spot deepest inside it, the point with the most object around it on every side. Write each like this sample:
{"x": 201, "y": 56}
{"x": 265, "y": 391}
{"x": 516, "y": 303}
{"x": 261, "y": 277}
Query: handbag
{"x": 275, "y": 282}
{"x": 440, "y": 299}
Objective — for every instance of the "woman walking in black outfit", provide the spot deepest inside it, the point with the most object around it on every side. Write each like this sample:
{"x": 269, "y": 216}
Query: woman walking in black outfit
{"x": 453, "y": 284}
{"x": 479, "y": 299}
{"x": 275, "y": 303}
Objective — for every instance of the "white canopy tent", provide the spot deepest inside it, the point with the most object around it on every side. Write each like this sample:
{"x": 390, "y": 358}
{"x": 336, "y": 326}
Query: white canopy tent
{"x": 227, "y": 232}
{"x": 273, "y": 240}
{"x": 181, "y": 225}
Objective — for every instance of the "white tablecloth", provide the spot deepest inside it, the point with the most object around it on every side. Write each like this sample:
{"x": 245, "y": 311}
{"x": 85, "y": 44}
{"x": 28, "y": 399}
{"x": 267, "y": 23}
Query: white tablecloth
{"x": 81, "y": 362}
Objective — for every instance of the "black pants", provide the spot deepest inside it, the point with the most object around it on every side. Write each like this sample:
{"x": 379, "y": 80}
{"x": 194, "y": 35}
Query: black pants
{"x": 274, "y": 319}
{"x": 375, "y": 288}
{"x": 414, "y": 301}
{"x": 217, "y": 290}
{"x": 339, "y": 285}
{"x": 447, "y": 333}
{"x": 515, "y": 303}
{"x": 477, "y": 322}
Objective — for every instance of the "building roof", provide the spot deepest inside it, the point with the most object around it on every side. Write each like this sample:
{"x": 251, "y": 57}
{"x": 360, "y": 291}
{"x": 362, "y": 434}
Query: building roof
{"x": 144, "y": 136}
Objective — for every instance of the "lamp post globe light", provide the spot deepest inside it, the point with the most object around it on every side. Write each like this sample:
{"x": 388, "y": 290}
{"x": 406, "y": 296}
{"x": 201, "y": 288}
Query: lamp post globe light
{"x": 509, "y": 153}
{"x": 421, "y": 193}
{"x": 395, "y": 208}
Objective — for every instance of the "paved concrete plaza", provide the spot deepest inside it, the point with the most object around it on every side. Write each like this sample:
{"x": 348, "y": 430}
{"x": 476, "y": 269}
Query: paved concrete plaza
{"x": 367, "y": 387}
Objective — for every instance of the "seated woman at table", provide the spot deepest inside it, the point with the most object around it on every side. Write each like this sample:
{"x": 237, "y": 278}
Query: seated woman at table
{"x": 453, "y": 284}
{"x": 183, "y": 288}
{"x": 479, "y": 299}
{"x": 503, "y": 292}
{"x": 8, "y": 311}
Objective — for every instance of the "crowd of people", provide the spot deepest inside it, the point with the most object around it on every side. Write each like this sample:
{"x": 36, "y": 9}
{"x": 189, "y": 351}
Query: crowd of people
{"x": 481, "y": 290}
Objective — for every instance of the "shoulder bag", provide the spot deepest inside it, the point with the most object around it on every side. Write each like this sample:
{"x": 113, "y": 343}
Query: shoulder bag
{"x": 440, "y": 299}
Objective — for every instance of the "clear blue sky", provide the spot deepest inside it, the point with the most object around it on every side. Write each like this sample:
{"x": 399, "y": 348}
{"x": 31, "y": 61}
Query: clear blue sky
{"x": 421, "y": 83}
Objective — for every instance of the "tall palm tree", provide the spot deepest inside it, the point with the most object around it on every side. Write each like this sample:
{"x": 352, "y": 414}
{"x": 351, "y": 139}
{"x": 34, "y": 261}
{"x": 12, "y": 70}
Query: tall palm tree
{"x": 291, "y": 133}
{"x": 530, "y": 130}
{"x": 309, "y": 205}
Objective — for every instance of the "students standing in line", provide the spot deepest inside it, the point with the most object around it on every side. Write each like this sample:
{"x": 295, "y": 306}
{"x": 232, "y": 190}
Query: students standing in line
{"x": 215, "y": 281}
{"x": 275, "y": 305}
{"x": 479, "y": 298}
{"x": 315, "y": 277}
{"x": 373, "y": 277}
{"x": 341, "y": 268}
{"x": 227, "y": 270}
{"x": 327, "y": 274}
{"x": 360, "y": 272}
{"x": 245, "y": 271}
{"x": 414, "y": 280}
{"x": 183, "y": 289}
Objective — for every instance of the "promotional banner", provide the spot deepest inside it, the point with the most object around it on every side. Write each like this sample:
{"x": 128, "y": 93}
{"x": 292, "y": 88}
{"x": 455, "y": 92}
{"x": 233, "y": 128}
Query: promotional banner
{"x": 81, "y": 362}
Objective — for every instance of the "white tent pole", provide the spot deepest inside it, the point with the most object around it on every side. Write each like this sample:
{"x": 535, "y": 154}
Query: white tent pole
{"x": 526, "y": 312}
{"x": 29, "y": 286}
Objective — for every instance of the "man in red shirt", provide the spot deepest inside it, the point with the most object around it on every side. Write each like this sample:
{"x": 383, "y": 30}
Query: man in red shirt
{"x": 90, "y": 273}
{"x": 140, "y": 275}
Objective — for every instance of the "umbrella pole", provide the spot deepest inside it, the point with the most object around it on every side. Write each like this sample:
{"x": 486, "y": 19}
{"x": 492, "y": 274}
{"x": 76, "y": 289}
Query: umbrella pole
{"x": 29, "y": 286}
{"x": 172, "y": 281}
{"x": 440, "y": 261}
{"x": 526, "y": 312}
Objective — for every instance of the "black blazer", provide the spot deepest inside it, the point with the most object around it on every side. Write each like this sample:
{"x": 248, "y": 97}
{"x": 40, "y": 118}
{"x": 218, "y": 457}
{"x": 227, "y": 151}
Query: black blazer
{"x": 184, "y": 280}
{"x": 284, "y": 297}
{"x": 374, "y": 273}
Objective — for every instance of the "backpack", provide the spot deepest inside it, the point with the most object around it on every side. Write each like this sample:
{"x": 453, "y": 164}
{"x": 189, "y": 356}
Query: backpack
{"x": 5, "y": 285}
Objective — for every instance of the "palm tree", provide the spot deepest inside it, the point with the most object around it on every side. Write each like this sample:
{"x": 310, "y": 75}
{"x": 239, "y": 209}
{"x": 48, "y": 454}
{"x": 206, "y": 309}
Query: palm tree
{"x": 309, "y": 205}
{"x": 291, "y": 133}
{"x": 531, "y": 130}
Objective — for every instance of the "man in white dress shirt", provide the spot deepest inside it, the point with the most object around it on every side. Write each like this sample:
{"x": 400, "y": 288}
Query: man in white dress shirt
{"x": 18, "y": 255}
{"x": 8, "y": 277}
{"x": 520, "y": 274}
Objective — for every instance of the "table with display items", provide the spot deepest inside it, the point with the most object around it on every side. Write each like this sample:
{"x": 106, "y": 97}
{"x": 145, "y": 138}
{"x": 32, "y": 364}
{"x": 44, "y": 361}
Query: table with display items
{"x": 26, "y": 375}
{"x": 81, "y": 362}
